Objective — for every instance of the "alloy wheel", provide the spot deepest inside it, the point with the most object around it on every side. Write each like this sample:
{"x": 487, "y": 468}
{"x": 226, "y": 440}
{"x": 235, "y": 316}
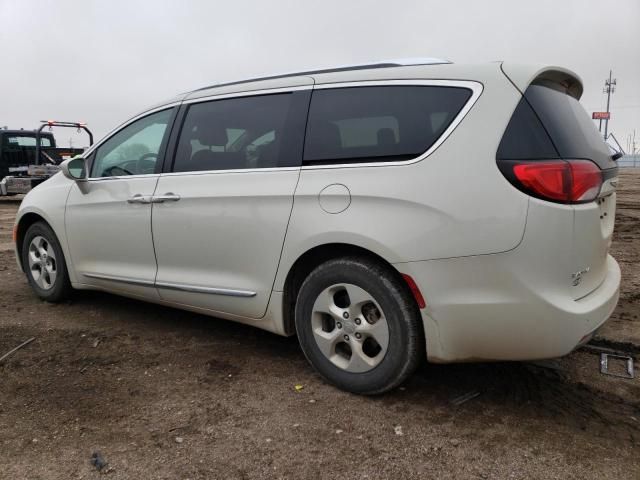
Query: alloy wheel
{"x": 350, "y": 328}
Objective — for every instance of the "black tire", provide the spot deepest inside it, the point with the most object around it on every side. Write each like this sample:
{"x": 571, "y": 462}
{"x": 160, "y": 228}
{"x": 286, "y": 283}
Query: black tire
{"x": 60, "y": 287}
{"x": 405, "y": 333}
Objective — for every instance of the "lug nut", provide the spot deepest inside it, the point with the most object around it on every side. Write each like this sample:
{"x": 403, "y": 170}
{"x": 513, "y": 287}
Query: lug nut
{"x": 358, "y": 336}
{"x": 346, "y": 337}
{"x": 345, "y": 314}
{"x": 339, "y": 325}
{"x": 358, "y": 321}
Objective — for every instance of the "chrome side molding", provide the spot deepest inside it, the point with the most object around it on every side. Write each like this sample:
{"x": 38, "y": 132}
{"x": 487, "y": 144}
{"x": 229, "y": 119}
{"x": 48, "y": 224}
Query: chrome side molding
{"x": 115, "y": 278}
{"x": 231, "y": 292}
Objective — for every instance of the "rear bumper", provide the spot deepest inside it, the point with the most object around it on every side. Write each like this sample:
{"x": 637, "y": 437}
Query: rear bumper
{"x": 480, "y": 308}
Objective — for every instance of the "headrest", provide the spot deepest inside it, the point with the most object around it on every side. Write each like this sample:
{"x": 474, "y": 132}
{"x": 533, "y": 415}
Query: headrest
{"x": 211, "y": 134}
{"x": 386, "y": 136}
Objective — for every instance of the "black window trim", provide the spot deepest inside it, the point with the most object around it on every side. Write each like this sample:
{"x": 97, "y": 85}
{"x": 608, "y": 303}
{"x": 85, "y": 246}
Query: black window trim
{"x": 165, "y": 163}
{"x": 476, "y": 88}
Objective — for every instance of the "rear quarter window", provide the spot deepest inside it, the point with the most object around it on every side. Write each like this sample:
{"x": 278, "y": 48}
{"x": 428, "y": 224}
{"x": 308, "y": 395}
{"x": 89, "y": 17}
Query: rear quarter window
{"x": 378, "y": 123}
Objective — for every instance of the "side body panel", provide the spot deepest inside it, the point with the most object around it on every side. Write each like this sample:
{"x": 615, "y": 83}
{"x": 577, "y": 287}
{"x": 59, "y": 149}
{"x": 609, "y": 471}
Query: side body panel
{"x": 109, "y": 237}
{"x": 452, "y": 203}
{"x": 226, "y": 232}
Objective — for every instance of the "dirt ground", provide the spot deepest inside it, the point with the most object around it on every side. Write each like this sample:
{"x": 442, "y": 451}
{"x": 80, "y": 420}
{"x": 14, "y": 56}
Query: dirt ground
{"x": 166, "y": 394}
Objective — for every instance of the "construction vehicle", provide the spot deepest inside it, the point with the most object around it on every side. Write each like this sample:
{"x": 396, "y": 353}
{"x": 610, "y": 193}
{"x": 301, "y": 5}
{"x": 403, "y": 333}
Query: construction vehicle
{"x": 29, "y": 157}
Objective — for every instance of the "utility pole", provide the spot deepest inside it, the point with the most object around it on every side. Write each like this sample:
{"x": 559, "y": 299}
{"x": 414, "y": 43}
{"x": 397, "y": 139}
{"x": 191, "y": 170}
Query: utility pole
{"x": 609, "y": 88}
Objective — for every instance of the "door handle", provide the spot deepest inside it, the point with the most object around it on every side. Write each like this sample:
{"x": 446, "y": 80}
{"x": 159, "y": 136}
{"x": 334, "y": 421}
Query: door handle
{"x": 139, "y": 198}
{"x": 167, "y": 197}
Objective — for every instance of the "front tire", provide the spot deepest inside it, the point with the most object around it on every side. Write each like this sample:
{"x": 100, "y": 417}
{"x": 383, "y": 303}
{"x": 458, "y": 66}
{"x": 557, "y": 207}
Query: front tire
{"x": 44, "y": 264}
{"x": 358, "y": 325}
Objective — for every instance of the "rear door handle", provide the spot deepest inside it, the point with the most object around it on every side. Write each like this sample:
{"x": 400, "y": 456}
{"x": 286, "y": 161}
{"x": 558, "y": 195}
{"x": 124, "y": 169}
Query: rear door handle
{"x": 167, "y": 197}
{"x": 139, "y": 198}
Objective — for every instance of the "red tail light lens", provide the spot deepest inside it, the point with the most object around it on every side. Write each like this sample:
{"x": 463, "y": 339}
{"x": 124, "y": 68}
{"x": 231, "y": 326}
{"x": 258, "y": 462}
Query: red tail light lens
{"x": 587, "y": 180}
{"x": 562, "y": 181}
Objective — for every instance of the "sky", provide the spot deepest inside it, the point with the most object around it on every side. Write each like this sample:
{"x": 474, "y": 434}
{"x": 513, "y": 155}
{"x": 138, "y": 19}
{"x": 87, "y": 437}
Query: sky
{"x": 104, "y": 61}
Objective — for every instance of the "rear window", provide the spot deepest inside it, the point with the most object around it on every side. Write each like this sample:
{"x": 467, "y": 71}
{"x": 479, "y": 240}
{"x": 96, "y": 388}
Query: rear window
{"x": 385, "y": 123}
{"x": 25, "y": 141}
{"x": 548, "y": 123}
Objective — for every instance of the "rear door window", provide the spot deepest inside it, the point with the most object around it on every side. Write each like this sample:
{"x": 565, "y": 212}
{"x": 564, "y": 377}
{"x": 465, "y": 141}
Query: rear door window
{"x": 378, "y": 123}
{"x": 263, "y": 131}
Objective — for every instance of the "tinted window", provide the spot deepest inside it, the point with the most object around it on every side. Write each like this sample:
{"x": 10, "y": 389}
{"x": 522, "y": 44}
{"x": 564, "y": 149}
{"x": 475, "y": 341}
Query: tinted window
{"x": 245, "y": 132}
{"x": 135, "y": 149}
{"x": 571, "y": 129}
{"x": 550, "y": 123}
{"x": 525, "y": 137}
{"x": 379, "y": 123}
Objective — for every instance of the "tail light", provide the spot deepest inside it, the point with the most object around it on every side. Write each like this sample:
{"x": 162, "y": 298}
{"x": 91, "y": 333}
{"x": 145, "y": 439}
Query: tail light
{"x": 560, "y": 181}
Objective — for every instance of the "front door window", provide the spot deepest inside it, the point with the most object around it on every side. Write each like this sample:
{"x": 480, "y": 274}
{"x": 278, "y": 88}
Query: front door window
{"x": 134, "y": 150}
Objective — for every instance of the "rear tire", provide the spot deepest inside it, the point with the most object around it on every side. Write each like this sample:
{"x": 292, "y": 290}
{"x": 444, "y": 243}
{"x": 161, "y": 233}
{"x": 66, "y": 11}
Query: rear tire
{"x": 44, "y": 264}
{"x": 358, "y": 325}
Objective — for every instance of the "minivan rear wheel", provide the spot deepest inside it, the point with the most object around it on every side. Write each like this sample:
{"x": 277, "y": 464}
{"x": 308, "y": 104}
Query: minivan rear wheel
{"x": 358, "y": 325}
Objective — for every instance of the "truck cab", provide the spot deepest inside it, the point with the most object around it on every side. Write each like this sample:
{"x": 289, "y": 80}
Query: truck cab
{"x": 29, "y": 157}
{"x": 18, "y": 150}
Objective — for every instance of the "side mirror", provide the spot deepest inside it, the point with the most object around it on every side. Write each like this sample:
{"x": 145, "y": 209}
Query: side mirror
{"x": 74, "y": 169}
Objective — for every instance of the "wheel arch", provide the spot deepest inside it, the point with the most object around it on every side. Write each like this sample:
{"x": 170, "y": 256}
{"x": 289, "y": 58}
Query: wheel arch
{"x": 24, "y": 222}
{"x": 315, "y": 256}
{"x": 22, "y": 226}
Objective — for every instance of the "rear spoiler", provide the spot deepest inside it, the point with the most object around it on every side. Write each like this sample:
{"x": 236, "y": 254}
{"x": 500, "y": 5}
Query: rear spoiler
{"x": 521, "y": 76}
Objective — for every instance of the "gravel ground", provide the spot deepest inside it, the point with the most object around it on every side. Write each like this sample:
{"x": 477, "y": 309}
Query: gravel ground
{"x": 162, "y": 393}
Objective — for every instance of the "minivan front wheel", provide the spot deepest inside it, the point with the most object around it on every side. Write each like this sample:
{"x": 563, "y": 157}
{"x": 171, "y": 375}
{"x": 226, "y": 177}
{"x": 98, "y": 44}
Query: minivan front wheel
{"x": 358, "y": 325}
{"x": 44, "y": 264}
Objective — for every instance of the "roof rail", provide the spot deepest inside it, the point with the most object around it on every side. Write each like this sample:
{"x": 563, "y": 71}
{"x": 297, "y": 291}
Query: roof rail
{"x": 401, "y": 62}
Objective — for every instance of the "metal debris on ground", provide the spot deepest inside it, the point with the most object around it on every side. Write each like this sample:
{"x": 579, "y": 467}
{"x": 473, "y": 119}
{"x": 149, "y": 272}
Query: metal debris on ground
{"x": 98, "y": 461}
{"x": 604, "y": 365}
{"x": 11, "y": 352}
{"x": 465, "y": 398}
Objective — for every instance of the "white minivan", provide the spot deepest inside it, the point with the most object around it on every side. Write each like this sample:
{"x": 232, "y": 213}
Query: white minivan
{"x": 378, "y": 212}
